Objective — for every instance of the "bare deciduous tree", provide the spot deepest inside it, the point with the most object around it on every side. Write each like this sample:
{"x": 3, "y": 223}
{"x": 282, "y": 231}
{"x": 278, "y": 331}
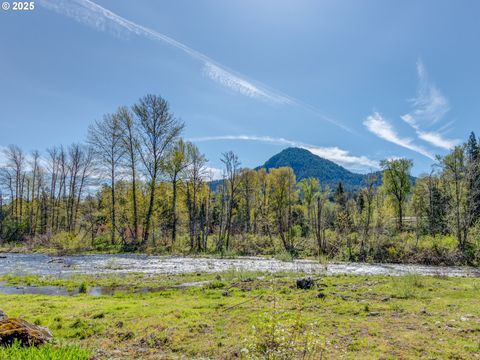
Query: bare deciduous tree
{"x": 232, "y": 166}
{"x": 105, "y": 138}
{"x": 131, "y": 146}
{"x": 158, "y": 131}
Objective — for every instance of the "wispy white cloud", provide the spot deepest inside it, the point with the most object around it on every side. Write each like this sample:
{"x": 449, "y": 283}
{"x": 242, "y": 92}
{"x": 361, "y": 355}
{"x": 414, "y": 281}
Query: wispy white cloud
{"x": 3, "y": 158}
{"x": 214, "y": 173}
{"x": 89, "y": 13}
{"x": 343, "y": 157}
{"x": 266, "y": 139}
{"x": 379, "y": 126}
{"x": 437, "y": 139}
{"x": 429, "y": 107}
{"x": 244, "y": 87}
{"x": 335, "y": 154}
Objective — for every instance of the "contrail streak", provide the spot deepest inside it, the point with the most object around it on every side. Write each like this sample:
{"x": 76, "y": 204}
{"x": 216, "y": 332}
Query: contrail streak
{"x": 89, "y": 13}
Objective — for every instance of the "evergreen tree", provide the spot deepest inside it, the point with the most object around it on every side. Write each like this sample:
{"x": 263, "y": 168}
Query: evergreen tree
{"x": 473, "y": 166}
{"x": 340, "y": 197}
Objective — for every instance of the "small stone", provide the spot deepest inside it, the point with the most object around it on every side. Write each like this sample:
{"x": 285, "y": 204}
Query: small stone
{"x": 225, "y": 293}
{"x": 3, "y": 316}
{"x": 127, "y": 336}
{"x": 321, "y": 295}
{"x": 374, "y": 313}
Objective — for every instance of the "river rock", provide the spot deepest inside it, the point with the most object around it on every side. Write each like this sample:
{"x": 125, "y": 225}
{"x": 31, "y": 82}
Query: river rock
{"x": 305, "y": 283}
{"x": 27, "y": 334}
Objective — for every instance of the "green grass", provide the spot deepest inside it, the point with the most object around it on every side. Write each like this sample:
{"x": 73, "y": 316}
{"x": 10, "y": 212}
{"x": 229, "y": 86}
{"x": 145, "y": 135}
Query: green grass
{"x": 47, "y": 352}
{"x": 261, "y": 315}
{"x": 132, "y": 281}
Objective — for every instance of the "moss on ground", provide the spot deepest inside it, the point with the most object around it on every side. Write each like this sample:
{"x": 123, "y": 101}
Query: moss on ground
{"x": 255, "y": 315}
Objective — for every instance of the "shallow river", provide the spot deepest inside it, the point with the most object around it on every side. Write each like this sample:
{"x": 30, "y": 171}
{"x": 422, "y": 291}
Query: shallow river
{"x": 38, "y": 264}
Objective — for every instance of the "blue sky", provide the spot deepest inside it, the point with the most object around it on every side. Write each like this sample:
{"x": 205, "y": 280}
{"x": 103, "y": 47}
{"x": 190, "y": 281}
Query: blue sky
{"x": 353, "y": 81}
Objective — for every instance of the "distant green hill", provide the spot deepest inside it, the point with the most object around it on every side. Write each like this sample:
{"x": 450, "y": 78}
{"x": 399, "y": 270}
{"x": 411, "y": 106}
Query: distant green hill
{"x": 305, "y": 165}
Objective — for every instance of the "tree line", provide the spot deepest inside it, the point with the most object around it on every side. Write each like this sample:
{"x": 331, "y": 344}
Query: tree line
{"x": 136, "y": 184}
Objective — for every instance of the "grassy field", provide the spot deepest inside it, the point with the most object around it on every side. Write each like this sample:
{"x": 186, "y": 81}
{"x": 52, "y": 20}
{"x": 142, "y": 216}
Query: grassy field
{"x": 48, "y": 352}
{"x": 255, "y": 316}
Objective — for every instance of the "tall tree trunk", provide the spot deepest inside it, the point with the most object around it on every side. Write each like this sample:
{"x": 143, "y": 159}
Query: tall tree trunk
{"x": 134, "y": 200}
{"x": 174, "y": 208}
{"x": 318, "y": 230}
{"x": 400, "y": 216}
{"x": 112, "y": 236}
{"x": 148, "y": 218}
{"x": 457, "y": 212}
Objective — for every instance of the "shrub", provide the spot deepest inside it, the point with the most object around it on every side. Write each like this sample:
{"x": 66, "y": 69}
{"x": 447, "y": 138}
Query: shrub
{"x": 276, "y": 338}
{"x": 83, "y": 288}
{"x": 217, "y": 284}
{"x": 67, "y": 242}
{"x": 405, "y": 287}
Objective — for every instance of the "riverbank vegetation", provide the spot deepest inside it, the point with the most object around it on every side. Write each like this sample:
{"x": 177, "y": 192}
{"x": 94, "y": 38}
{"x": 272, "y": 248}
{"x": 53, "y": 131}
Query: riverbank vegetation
{"x": 136, "y": 185}
{"x": 260, "y": 315}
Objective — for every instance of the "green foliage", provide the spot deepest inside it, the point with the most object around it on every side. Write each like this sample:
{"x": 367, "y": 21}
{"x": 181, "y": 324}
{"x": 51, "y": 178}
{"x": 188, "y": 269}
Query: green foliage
{"x": 284, "y": 256}
{"x": 397, "y": 184}
{"x": 438, "y": 243}
{"x": 66, "y": 242}
{"x": 251, "y": 245}
{"x": 103, "y": 243}
{"x": 217, "y": 284}
{"x": 46, "y": 352}
{"x": 406, "y": 287}
{"x": 13, "y": 230}
{"x": 83, "y": 288}
{"x": 281, "y": 337}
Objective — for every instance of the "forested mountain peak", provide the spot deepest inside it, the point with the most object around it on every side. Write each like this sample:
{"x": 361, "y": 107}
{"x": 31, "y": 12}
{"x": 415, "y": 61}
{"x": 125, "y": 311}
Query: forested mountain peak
{"x": 306, "y": 164}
